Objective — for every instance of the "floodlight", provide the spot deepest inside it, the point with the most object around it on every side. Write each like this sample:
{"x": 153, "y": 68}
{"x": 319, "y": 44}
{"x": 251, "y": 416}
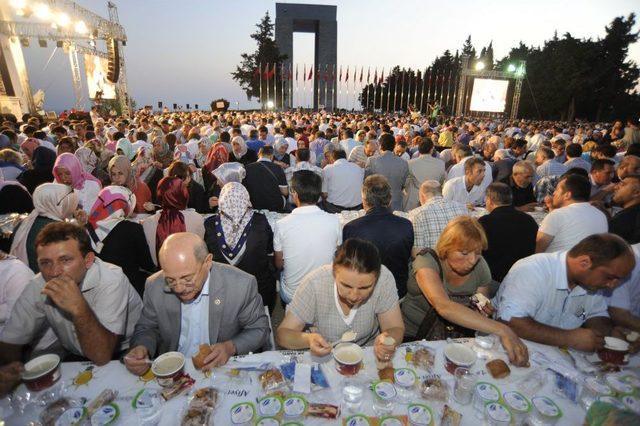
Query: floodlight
{"x": 479, "y": 66}
{"x": 81, "y": 27}
{"x": 18, "y": 4}
{"x": 42, "y": 11}
{"x": 511, "y": 68}
{"x": 63, "y": 19}
{"x": 269, "y": 104}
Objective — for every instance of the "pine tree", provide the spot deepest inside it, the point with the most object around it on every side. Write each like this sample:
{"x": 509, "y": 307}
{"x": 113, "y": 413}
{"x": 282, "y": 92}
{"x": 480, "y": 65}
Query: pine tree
{"x": 252, "y": 69}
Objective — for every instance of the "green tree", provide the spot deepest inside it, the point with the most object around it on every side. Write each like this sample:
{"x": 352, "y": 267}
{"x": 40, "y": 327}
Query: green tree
{"x": 251, "y": 74}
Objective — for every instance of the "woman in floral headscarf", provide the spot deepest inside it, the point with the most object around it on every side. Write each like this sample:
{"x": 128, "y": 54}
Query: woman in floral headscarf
{"x": 174, "y": 216}
{"x": 117, "y": 240}
{"x": 124, "y": 147}
{"x": 241, "y": 237}
{"x": 122, "y": 174}
{"x": 68, "y": 170}
{"x": 52, "y": 202}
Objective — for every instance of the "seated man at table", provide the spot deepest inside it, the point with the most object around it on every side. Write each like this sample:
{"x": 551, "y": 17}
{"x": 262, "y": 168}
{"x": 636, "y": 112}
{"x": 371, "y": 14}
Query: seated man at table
{"x": 194, "y": 300}
{"x": 624, "y": 303}
{"x": 89, "y": 304}
{"x": 556, "y": 298}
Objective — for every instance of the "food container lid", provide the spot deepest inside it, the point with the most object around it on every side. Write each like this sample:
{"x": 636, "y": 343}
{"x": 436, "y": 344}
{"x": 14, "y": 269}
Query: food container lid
{"x": 405, "y": 377}
{"x": 619, "y": 384}
{"x": 390, "y": 421}
{"x": 611, "y": 400}
{"x": 270, "y": 406}
{"x": 631, "y": 402}
{"x": 419, "y": 414}
{"x": 357, "y": 420}
{"x": 546, "y": 407}
{"x": 242, "y": 412}
{"x": 598, "y": 386}
{"x": 295, "y": 406}
{"x": 146, "y": 399}
{"x": 40, "y": 366}
{"x": 72, "y": 416}
{"x": 106, "y": 415}
{"x": 517, "y": 402}
{"x": 268, "y": 421}
{"x": 497, "y": 412}
{"x": 487, "y": 391}
{"x": 384, "y": 390}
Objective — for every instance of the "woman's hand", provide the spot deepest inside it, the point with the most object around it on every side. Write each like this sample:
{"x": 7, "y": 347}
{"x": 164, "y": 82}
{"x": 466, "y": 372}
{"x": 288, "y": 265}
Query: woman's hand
{"x": 381, "y": 348}
{"x": 318, "y": 345}
{"x": 516, "y": 349}
{"x": 81, "y": 216}
{"x": 149, "y": 206}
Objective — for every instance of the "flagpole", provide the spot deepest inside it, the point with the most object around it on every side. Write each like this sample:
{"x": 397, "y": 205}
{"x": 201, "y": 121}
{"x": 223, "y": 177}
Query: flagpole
{"x": 442, "y": 90}
{"x": 402, "y": 90}
{"x": 375, "y": 90}
{"x": 409, "y": 89}
{"x": 260, "y": 76}
{"x": 424, "y": 77}
{"x": 334, "y": 101}
{"x": 429, "y": 89}
{"x": 275, "y": 86}
{"x": 415, "y": 95}
{"x": 449, "y": 86}
{"x": 388, "y": 95}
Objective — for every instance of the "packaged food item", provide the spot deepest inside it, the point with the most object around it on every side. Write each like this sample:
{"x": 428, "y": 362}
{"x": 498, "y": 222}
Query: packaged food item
{"x": 484, "y": 394}
{"x": 270, "y": 406}
{"x": 73, "y": 416}
{"x": 243, "y": 413}
{"x": 53, "y": 411}
{"x": 482, "y": 304}
{"x": 384, "y": 396}
{"x": 295, "y": 407}
{"x": 198, "y": 359}
{"x": 593, "y": 388}
{"x": 498, "y": 369}
{"x": 201, "y": 407}
{"x": 631, "y": 402}
{"x": 181, "y": 384}
{"x": 104, "y": 398}
{"x": 530, "y": 384}
{"x": 518, "y": 404}
{"x": 423, "y": 358}
{"x": 566, "y": 386}
{"x": 318, "y": 379}
{"x": 268, "y": 421}
{"x": 393, "y": 421}
{"x": 450, "y": 417}
{"x": 357, "y": 420}
{"x": 497, "y": 414}
{"x": 618, "y": 384}
{"x": 105, "y": 415}
{"x": 405, "y": 380}
{"x": 147, "y": 405}
{"x": 611, "y": 401}
{"x": 272, "y": 379}
{"x": 434, "y": 389}
{"x": 419, "y": 415}
{"x": 545, "y": 411}
{"x": 325, "y": 411}
{"x": 386, "y": 374}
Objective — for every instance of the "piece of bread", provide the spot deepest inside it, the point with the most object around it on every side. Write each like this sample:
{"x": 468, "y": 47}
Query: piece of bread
{"x": 387, "y": 374}
{"x": 198, "y": 359}
{"x": 498, "y": 369}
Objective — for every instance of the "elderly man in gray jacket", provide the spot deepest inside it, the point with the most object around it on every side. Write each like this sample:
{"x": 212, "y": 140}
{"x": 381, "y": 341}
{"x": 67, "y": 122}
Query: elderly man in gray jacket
{"x": 193, "y": 301}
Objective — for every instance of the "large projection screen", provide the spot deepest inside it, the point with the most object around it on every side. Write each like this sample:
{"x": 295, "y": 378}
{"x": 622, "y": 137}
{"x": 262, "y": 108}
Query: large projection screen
{"x": 96, "y": 69}
{"x": 489, "y": 95}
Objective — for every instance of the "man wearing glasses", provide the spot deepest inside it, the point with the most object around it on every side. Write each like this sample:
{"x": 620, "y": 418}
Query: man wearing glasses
{"x": 193, "y": 301}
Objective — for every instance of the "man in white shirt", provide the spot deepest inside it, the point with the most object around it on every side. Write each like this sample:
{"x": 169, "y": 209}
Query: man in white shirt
{"x": 342, "y": 184}
{"x": 305, "y": 239}
{"x": 572, "y": 218}
{"x": 556, "y": 298}
{"x": 467, "y": 189}
{"x": 624, "y": 301}
{"x": 141, "y": 142}
{"x": 348, "y": 143}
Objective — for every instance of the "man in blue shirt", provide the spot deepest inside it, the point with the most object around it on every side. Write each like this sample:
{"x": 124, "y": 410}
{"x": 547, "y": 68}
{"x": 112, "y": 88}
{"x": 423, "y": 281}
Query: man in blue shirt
{"x": 254, "y": 143}
{"x": 556, "y": 298}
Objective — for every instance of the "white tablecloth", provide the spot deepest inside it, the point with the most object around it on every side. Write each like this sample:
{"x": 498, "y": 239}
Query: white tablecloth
{"x": 115, "y": 376}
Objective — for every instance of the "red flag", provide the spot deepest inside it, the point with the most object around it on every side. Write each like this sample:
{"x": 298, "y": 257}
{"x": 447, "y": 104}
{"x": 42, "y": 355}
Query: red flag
{"x": 266, "y": 71}
{"x": 368, "y": 74}
{"x": 361, "y": 73}
{"x": 340, "y": 79}
{"x": 256, "y": 73}
{"x": 346, "y": 78}
{"x": 272, "y": 73}
{"x": 310, "y": 76}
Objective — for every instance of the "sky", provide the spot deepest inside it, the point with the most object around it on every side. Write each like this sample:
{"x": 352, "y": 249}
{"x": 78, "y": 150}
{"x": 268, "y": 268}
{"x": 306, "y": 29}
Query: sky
{"x": 184, "y": 51}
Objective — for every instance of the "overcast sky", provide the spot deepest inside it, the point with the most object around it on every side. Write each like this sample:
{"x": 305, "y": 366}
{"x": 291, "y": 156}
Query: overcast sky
{"x": 183, "y": 51}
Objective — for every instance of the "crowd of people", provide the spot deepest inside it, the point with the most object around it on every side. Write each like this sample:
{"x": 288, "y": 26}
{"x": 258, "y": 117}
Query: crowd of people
{"x": 148, "y": 234}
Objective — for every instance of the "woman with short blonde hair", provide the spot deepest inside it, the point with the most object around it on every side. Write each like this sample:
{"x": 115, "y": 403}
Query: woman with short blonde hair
{"x": 442, "y": 289}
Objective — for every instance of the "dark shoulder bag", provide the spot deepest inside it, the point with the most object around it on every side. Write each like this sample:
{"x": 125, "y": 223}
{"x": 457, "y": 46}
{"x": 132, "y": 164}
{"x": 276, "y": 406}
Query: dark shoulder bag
{"x": 433, "y": 326}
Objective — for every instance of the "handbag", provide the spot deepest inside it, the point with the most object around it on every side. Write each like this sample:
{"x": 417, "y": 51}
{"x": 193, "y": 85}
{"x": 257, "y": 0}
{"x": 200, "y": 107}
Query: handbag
{"x": 434, "y": 326}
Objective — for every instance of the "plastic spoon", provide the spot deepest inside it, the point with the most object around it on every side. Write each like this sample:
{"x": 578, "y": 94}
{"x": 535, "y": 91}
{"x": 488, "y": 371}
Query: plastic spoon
{"x": 347, "y": 337}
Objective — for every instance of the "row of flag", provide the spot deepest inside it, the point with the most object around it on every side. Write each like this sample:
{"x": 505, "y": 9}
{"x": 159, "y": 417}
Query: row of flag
{"x": 268, "y": 72}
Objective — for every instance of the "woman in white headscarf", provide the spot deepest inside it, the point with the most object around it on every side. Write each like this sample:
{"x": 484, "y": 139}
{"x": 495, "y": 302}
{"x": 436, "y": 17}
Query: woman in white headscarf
{"x": 240, "y": 153}
{"x": 117, "y": 240}
{"x": 242, "y": 237}
{"x": 52, "y": 202}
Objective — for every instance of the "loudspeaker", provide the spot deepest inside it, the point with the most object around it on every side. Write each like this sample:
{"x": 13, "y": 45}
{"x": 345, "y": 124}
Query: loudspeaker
{"x": 175, "y": 106}
{"x": 187, "y": 106}
{"x": 196, "y": 106}
{"x": 113, "y": 58}
{"x": 159, "y": 104}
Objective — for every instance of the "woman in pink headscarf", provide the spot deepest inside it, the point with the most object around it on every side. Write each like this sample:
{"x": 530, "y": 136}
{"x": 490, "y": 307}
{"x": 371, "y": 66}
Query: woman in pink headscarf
{"x": 174, "y": 217}
{"x": 68, "y": 171}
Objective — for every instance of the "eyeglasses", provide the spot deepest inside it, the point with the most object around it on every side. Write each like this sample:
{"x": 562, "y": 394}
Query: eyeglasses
{"x": 187, "y": 283}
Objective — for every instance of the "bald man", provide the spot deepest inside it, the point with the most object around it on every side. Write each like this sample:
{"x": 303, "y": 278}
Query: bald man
{"x": 194, "y": 300}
